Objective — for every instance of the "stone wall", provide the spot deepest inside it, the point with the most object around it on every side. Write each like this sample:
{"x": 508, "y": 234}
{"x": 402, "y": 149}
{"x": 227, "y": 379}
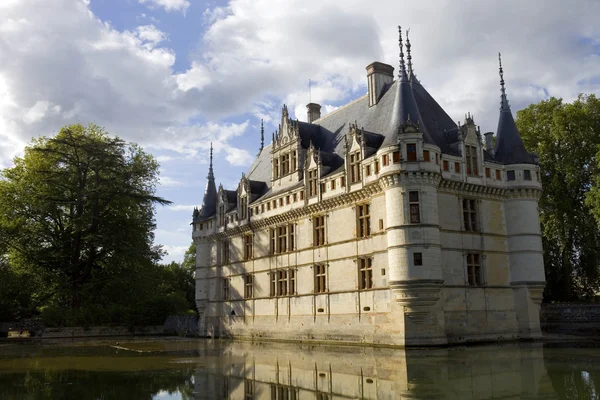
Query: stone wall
{"x": 573, "y": 319}
{"x": 181, "y": 325}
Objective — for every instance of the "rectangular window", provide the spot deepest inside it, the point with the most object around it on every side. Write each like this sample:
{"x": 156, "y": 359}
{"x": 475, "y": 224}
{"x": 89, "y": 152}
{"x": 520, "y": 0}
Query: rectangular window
{"x": 312, "y": 183}
{"x": 537, "y": 176}
{"x": 226, "y": 284}
{"x": 287, "y": 199}
{"x": 248, "y": 286}
{"x": 280, "y": 201}
{"x": 222, "y": 215}
{"x": 285, "y": 164}
{"x": 273, "y": 240}
{"x": 376, "y": 166}
{"x": 487, "y": 173}
{"x": 457, "y": 167}
{"x": 320, "y": 278}
{"x": 425, "y": 155}
{"x": 333, "y": 184}
{"x": 269, "y": 206}
{"x": 248, "y": 389}
{"x": 469, "y": 215}
{"x": 354, "y": 167}
{"x": 413, "y": 201}
{"x": 319, "y": 230}
{"x": 294, "y": 161}
{"x": 417, "y": 259}
{"x": 411, "y": 152}
{"x": 274, "y": 204}
{"x": 446, "y": 166}
{"x": 396, "y": 157}
{"x": 292, "y": 281}
{"x": 295, "y": 197}
{"x": 437, "y": 158}
{"x": 244, "y": 207}
{"x": 527, "y": 175}
{"x": 272, "y": 284}
{"x": 262, "y": 208}
{"x": 365, "y": 273}
{"x": 343, "y": 181}
{"x": 364, "y": 220}
{"x": 510, "y": 175}
{"x": 302, "y": 195}
{"x": 282, "y": 281}
{"x": 471, "y": 159}
{"x": 291, "y": 237}
{"x": 247, "y": 247}
{"x": 386, "y": 160}
{"x": 498, "y": 175}
{"x": 276, "y": 168}
{"x": 368, "y": 168}
{"x": 474, "y": 276}
{"x": 323, "y": 187}
{"x": 225, "y": 251}
{"x": 282, "y": 239}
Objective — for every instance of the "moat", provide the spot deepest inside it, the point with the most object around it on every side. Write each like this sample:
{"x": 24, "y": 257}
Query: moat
{"x": 204, "y": 369}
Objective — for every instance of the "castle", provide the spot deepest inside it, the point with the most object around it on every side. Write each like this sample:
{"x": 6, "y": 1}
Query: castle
{"x": 382, "y": 222}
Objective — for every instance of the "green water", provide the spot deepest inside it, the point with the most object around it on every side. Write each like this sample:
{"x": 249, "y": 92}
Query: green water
{"x": 204, "y": 369}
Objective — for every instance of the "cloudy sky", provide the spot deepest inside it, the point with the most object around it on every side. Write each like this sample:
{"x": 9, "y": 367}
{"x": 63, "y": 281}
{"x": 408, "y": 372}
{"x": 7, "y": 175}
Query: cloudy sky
{"x": 173, "y": 75}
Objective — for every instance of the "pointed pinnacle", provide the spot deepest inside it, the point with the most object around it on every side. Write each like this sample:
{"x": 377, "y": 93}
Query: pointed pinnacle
{"x": 410, "y": 68}
{"x": 503, "y": 99}
{"x": 402, "y": 71}
{"x": 262, "y": 135}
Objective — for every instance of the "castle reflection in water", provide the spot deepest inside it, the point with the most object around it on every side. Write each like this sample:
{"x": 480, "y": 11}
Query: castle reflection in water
{"x": 290, "y": 371}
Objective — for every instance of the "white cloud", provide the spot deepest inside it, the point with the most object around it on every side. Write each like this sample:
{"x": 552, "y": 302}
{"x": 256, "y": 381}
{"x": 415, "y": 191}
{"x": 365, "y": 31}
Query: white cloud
{"x": 168, "y": 5}
{"x": 169, "y": 182}
{"x": 150, "y": 34}
{"x": 181, "y": 207}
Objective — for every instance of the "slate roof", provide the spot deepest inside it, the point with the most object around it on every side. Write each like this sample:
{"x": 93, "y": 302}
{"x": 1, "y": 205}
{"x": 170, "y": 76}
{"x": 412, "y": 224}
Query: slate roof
{"x": 403, "y": 101}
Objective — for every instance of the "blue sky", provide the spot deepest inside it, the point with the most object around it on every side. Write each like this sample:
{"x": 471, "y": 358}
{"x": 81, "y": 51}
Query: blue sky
{"x": 174, "y": 75}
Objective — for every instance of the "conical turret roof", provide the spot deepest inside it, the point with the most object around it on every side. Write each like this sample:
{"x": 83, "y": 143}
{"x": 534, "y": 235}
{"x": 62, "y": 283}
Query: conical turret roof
{"x": 509, "y": 146}
{"x": 209, "y": 202}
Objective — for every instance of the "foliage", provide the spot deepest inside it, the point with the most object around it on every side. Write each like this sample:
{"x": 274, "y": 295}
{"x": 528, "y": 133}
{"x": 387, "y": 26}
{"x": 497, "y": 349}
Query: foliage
{"x": 78, "y": 205}
{"x": 566, "y": 138}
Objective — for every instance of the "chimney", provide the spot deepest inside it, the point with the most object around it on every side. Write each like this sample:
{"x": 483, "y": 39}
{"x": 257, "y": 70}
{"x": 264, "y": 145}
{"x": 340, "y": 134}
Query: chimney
{"x": 489, "y": 142}
{"x": 314, "y": 112}
{"x": 378, "y": 75}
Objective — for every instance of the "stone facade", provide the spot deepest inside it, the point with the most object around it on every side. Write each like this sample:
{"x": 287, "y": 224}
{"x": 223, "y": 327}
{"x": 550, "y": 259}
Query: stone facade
{"x": 382, "y": 222}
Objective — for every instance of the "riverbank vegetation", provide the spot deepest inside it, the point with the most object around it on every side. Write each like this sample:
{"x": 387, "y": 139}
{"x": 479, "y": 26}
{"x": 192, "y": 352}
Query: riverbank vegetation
{"x": 76, "y": 235}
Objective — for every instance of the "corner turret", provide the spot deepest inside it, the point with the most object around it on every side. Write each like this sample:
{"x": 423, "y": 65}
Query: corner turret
{"x": 209, "y": 202}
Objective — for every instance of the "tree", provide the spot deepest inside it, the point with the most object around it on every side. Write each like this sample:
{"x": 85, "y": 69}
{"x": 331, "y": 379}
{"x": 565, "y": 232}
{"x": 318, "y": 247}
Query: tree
{"x": 566, "y": 138}
{"x": 189, "y": 258}
{"x": 79, "y": 205}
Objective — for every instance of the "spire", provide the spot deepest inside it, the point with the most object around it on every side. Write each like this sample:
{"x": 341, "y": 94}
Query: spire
{"x": 410, "y": 68}
{"x": 503, "y": 100}
{"x": 262, "y": 135}
{"x": 509, "y": 146}
{"x": 402, "y": 70}
{"x": 209, "y": 202}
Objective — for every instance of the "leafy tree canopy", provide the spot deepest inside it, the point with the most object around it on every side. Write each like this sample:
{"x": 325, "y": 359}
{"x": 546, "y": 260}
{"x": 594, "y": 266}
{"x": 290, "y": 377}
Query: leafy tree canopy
{"x": 78, "y": 210}
{"x": 566, "y": 138}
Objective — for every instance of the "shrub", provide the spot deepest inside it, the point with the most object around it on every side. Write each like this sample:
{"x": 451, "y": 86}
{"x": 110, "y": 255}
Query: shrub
{"x": 52, "y": 316}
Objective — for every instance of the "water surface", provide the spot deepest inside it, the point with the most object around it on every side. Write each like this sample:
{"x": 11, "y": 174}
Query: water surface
{"x": 209, "y": 369}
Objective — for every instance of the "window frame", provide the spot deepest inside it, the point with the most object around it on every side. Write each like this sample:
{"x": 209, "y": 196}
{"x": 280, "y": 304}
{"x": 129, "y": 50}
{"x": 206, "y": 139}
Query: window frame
{"x": 355, "y": 167}
{"x": 469, "y": 210}
{"x": 319, "y": 230}
{"x": 414, "y": 203}
{"x": 248, "y": 286}
{"x": 411, "y": 152}
{"x": 365, "y": 273}
{"x": 320, "y": 274}
{"x": 363, "y": 220}
{"x": 248, "y": 246}
{"x": 312, "y": 179}
{"x": 474, "y": 266}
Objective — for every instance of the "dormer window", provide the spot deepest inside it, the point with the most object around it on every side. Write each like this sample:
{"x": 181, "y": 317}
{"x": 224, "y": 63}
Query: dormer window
{"x": 471, "y": 159}
{"x": 244, "y": 207}
{"x": 276, "y": 168}
{"x": 222, "y": 215}
{"x": 411, "y": 152}
{"x": 285, "y": 164}
{"x": 527, "y": 175}
{"x": 355, "y": 167}
{"x": 312, "y": 183}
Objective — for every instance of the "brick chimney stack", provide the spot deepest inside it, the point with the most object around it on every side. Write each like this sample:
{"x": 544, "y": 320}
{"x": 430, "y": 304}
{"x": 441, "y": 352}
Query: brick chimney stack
{"x": 378, "y": 75}
{"x": 314, "y": 111}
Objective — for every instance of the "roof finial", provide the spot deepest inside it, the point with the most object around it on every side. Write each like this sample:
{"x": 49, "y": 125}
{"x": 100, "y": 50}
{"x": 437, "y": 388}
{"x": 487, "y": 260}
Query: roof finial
{"x": 211, "y": 155}
{"x": 410, "y": 68}
{"x": 503, "y": 100}
{"x": 262, "y": 135}
{"x": 211, "y": 174}
{"x": 402, "y": 71}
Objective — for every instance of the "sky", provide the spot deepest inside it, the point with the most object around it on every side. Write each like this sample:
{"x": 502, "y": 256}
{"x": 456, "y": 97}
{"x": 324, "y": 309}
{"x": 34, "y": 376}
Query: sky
{"x": 176, "y": 75}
